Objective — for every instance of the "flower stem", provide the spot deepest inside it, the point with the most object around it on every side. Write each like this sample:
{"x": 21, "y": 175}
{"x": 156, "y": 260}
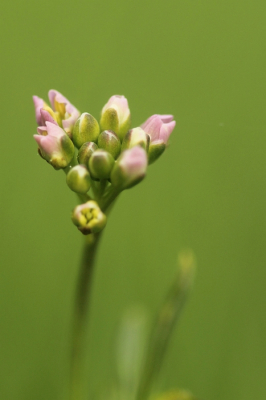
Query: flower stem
{"x": 82, "y": 302}
{"x": 107, "y": 200}
{"x": 80, "y": 316}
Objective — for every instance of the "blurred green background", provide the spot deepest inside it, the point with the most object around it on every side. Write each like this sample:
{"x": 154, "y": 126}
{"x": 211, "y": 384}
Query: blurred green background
{"x": 204, "y": 62}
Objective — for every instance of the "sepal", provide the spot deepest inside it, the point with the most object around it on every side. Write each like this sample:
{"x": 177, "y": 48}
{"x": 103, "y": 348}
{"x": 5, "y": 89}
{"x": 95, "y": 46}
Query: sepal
{"x": 86, "y": 129}
{"x": 136, "y": 137}
{"x": 109, "y": 120}
{"x": 156, "y": 149}
{"x": 110, "y": 142}
{"x": 85, "y": 152}
{"x": 101, "y": 164}
{"x": 78, "y": 179}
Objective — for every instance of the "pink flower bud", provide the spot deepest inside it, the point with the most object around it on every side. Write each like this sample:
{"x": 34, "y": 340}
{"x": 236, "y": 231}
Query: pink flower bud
{"x": 120, "y": 104}
{"x": 49, "y": 145}
{"x": 159, "y": 127}
{"x": 116, "y": 116}
{"x": 67, "y": 112}
{"x": 130, "y": 168}
{"x": 55, "y": 146}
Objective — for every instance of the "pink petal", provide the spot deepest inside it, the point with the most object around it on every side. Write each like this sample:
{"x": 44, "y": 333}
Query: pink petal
{"x": 68, "y": 123}
{"x": 42, "y": 130}
{"x": 120, "y": 104}
{"x": 55, "y": 95}
{"x": 46, "y": 116}
{"x": 54, "y": 130}
{"x": 134, "y": 161}
{"x": 38, "y": 104}
{"x": 118, "y": 100}
{"x": 152, "y": 127}
{"x": 146, "y": 123}
{"x": 166, "y": 131}
{"x": 48, "y": 144}
{"x": 166, "y": 117}
{"x": 38, "y": 139}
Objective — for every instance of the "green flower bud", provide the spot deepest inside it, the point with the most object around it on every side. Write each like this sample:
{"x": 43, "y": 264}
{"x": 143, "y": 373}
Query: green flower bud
{"x": 109, "y": 120}
{"x": 78, "y": 179}
{"x": 86, "y": 151}
{"x": 136, "y": 137}
{"x": 89, "y": 218}
{"x": 110, "y": 142}
{"x": 86, "y": 129}
{"x": 156, "y": 149}
{"x": 101, "y": 164}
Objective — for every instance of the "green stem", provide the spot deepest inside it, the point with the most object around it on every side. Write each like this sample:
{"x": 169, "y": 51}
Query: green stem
{"x": 80, "y": 316}
{"x": 94, "y": 188}
{"x": 82, "y": 300}
{"x": 102, "y": 187}
{"x": 107, "y": 200}
{"x": 83, "y": 197}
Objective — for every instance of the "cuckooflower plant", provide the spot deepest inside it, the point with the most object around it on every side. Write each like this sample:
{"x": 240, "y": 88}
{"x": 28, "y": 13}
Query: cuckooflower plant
{"x": 101, "y": 159}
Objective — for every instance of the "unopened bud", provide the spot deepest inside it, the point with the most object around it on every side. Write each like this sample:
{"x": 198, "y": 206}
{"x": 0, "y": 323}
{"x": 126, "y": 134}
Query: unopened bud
{"x": 156, "y": 149}
{"x": 110, "y": 142}
{"x": 116, "y": 116}
{"x": 101, "y": 164}
{"x": 130, "y": 168}
{"x": 159, "y": 127}
{"x": 54, "y": 145}
{"x": 136, "y": 137}
{"x": 78, "y": 179}
{"x": 85, "y": 152}
{"x": 89, "y": 218}
{"x": 86, "y": 129}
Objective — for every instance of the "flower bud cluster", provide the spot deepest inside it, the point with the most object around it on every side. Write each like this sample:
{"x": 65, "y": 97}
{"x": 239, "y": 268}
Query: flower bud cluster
{"x": 106, "y": 154}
